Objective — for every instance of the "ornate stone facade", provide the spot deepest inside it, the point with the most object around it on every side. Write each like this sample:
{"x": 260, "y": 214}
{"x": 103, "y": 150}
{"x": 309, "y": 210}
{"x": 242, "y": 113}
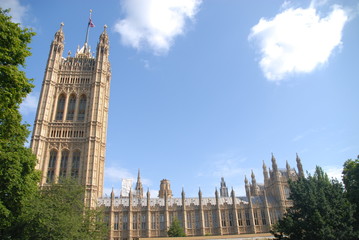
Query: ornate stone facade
{"x": 69, "y": 136}
{"x": 69, "y": 139}
{"x": 136, "y": 216}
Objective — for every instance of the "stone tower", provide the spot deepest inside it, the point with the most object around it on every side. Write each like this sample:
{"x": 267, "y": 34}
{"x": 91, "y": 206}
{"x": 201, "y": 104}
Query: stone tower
{"x": 69, "y": 135}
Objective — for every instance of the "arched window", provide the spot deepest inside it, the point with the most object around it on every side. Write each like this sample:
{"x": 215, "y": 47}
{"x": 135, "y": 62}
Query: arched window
{"x": 71, "y": 108}
{"x": 51, "y": 166}
{"x": 75, "y": 164}
{"x": 60, "y": 107}
{"x": 82, "y": 108}
{"x": 63, "y": 164}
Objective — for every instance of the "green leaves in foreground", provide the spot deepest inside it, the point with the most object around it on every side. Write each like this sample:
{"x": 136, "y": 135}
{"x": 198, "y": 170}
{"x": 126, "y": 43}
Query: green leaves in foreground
{"x": 175, "y": 229}
{"x": 320, "y": 211}
{"x": 58, "y": 212}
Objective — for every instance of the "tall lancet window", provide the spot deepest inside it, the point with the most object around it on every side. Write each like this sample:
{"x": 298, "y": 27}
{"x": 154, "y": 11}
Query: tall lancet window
{"x": 51, "y": 166}
{"x": 63, "y": 164}
{"x": 82, "y": 108}
{"x": 60, "y": 107}
{"x": 75, "y": 164}
{"x": 71, "y": 108}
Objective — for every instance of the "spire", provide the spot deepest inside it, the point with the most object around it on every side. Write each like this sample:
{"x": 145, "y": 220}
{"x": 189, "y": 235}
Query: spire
{"x": 287, "y": 166}
{"x": 245, "y": 180}
{"x": 274, "y": 164}
{"x": 223, "y": 190}
{"x": 254, "y": 182}
{"x": 112, "y": 194}
{"x": 299, "y": 166}
{"x": 183, "y": 193}
{"x": 139, "y": 188}
{"x": 265, "y": 173}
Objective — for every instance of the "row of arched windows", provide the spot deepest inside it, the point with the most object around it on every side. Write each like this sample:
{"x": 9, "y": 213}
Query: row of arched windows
{"x": 75, "y": 164}
{"x": 71, "y": 107}
{"x": 75, "y": 80}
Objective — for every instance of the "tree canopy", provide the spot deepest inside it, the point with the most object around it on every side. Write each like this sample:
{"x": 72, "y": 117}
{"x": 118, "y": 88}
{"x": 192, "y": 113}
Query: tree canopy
{"x": 320, "y": 211}
{"x": 18, "y": 178}
{"x": 58, "y": 212}
{"x": 175, "y": 229}
{"x": 351, "y": 183}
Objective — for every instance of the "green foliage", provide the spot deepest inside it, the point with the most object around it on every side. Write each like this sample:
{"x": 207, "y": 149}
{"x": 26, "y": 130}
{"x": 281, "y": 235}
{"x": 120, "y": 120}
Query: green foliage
{"x": 320, "y": 211}
{"x": 351, "y": 183}
{"x": 18, "y": 178}
{"x": 175, "y": 229}
{"x": 58, "y": 212}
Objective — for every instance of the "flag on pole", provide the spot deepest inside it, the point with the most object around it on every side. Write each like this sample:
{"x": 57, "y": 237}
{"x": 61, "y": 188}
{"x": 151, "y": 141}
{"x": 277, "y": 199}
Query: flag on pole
{"x": 91, "y": 23}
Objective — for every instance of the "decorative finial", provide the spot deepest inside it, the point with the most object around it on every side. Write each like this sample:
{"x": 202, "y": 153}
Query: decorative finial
{"x": 105, "y": 27}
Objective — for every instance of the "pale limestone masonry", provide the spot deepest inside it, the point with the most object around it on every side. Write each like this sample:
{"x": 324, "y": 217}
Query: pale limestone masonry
{"x": 135, "y": 216}
{"x": 69, "y": 140}
{"x": 69, "y": 136}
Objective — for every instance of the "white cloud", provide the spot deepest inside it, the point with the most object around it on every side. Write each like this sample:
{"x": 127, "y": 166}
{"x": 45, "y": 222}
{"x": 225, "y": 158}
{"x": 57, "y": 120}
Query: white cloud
{"x": 17, "y": 12}
{"x": 334, "y": 172}
{"x": 29, "y": 104}
{"x": 116, "y": 174}
{"x": 224, "y": 165}
{"x": 297, "y": 40}
{"x": 155, "y": 23}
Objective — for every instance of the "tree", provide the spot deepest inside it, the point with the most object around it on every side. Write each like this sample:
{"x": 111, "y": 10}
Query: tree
{"x": 175, "y": 229}
{"x": 58, "y": 212}
{"x": 320, "y": 210}
{"x": 18, "y": 178}
{"x": 351, "y": 183}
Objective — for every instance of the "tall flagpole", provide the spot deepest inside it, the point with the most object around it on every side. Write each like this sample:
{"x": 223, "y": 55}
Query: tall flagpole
{"x": 88, "y": 29}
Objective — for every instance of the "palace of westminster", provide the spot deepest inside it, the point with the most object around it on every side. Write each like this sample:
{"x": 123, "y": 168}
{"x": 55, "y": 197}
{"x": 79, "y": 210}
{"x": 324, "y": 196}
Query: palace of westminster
{"x": 69, "y": 140}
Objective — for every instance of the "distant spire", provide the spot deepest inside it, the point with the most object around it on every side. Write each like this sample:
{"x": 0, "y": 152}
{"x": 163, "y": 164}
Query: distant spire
{"x": 245, "y": 180}
{"x": 139, "y": 188}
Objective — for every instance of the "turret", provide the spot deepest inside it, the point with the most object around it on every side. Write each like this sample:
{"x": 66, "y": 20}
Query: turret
{"x": 254, "y": 185}
{"x": 165, "y": 189}
{"x": 247, "y": 186}
{"x": 265, "y": 174}
{"x": 274, "y": 164}
{"x": 288, "y": 170}
{"x": 300, "y": 167}
{"x": 56, "y": 50}
{"x": 102, "y": 51}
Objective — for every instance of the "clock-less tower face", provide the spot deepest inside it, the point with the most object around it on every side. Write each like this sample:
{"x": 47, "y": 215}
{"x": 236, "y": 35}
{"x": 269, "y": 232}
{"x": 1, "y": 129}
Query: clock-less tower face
{"x": 69, "y": 136}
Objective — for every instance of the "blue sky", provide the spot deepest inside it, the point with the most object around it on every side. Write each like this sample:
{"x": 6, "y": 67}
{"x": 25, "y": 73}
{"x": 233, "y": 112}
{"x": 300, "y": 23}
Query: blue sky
{"x": 205, "y": 89}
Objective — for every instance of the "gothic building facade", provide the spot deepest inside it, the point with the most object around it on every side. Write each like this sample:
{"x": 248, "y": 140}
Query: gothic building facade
{"x": 69, "y": 135}
{"x": 138, "y": 216}
{"x": 69, "y": 140}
